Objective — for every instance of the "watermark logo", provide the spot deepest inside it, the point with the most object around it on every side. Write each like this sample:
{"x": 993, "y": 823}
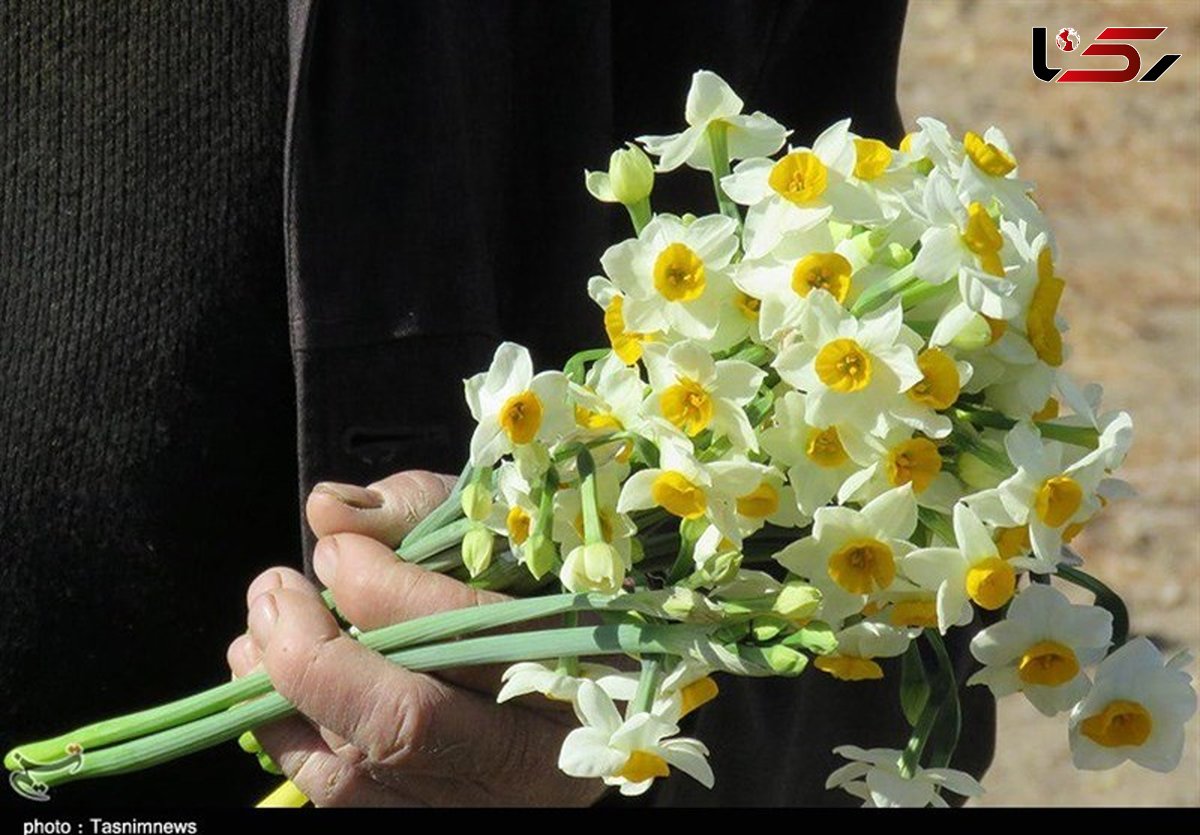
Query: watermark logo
{"x": 25, "y": 780}
{"x": 1067, "y": 39}
{"x": 1117, "y": 41}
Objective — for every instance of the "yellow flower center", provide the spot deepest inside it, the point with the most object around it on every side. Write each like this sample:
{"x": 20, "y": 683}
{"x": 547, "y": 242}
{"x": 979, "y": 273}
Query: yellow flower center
{"x": 1121, "y": 723}
{"x": 521, "y": 417}
{"x": 799, "y": 177}
{"x": 982, "y": 236}
{"x": 914, "y": 613}
{"x": 1012, "y": 542}
{"x": 642, "y": 765}
{"x": 1048, "y": 412}
{"x": 938, "y": 389}
{"x": 674, "y": 493}
{"x": 986, "y": 156}
{"x": 1040, "y": 326}
{"x": 687, "y": 405}
{"x": 1048, "y": 663}
{"x": 843, "y": 365}
{"x": 914, "y": 461}
{"x": 626, "y": 344}
{"x": 848, "y": 667}
{"x": 991, "y": 583}
{"x": 588, "y": 419}
{"x": 906, "y": 143}
{"x": 760, "y": 502}
{"x": 871, "y": 158}
{"x": 747, "y": 305}
{"x": 697, "y": 694}
{"x": 679, "y": 274}
{"x": 517, "y": 522}
{"x": 824, "y": 448}
{"x": 862, "y": 565}
{"x": 1057, "y": 500}
{"x": 827, "y": 271}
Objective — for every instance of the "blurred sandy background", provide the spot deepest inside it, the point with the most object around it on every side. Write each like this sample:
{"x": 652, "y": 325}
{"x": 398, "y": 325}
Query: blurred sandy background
{"x": 1117, "y": 168}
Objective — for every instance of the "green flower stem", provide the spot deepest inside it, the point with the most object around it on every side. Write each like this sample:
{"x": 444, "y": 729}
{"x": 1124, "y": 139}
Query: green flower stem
{"x": 647, "y": 689}
{"x": 442, "y": 626}
{"x": 435, "y": 541}
{"x": 445, "y": 513}
{"x": 878, "y": 294}
{"x": 920, "y": 292}
{"x": 718, "y": 144}
{"x": 1084, "y": 436}
{"x": 639, "y": 215}
{"x": 942, "y": 702}
{"x": 589, "y": 500}
{"x": 211, "y": 730}
{"x": 575, "y": 365}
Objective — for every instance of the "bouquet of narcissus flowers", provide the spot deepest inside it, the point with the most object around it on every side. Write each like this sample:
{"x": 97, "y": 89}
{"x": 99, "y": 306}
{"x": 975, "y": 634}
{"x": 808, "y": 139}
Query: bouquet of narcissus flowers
{"x": 831, "y": 426}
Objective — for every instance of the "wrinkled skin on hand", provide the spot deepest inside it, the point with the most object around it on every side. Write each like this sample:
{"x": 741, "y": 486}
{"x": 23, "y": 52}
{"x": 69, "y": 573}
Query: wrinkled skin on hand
{"x": 371, "y": 733}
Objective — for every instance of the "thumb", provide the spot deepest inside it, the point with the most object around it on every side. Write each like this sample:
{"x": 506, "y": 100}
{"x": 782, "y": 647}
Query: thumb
{"x": 385, "y": 510}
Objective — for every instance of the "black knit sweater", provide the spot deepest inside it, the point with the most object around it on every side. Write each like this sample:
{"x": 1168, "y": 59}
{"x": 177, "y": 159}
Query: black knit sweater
{"x": 146, "y": 401}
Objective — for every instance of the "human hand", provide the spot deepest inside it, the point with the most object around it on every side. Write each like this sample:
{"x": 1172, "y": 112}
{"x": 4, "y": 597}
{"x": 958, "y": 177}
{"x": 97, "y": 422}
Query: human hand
{"x": 372, "y": 733}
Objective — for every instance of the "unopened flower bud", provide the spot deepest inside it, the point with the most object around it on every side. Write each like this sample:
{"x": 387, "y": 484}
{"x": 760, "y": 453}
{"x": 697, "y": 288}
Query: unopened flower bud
{"x": 797, "y": 602}
{"x": 476, "y": 501}
{"x": 593, "y": 567}
{"x": 629, "y": 179}
{"x": 477, "y": 548}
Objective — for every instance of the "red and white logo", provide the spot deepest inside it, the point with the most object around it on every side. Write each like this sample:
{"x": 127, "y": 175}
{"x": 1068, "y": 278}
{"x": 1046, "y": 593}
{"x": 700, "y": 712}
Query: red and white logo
{"x": 1115, "y": 41}
{"x": 1067, "y": 39}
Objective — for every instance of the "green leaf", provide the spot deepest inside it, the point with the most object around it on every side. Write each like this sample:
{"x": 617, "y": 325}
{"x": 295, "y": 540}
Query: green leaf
{"x": 914, "y": 687}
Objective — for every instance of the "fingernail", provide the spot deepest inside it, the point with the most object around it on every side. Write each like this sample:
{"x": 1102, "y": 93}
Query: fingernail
{"x": 263, "y": 615}
{"x": 325, "y": 557}
{"x": 351, "y": 495}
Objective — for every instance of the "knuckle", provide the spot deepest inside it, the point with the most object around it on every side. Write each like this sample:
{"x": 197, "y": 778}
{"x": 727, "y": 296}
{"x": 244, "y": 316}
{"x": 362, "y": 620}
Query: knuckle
{"x": 405, "y": 722}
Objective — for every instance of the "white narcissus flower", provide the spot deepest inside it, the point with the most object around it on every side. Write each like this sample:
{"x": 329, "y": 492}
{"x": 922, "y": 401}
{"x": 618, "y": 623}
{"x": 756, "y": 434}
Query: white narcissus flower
{"x": 688, "y": 687}
{"x": 854, "y": 371}
{"x": 626, "y": 344}
{"x": 629, "y": 753}
{"x": 989, "y": 171}
{"x": 852, "y": 554}
{"x": 711, "y": 100}
{"x": 513, "y": 407}
{"x": 674, "y": 277}
{"x": 1041, "y": 648}
{"x": 689, "y": 489}
{"x": 696, "y": 393}
{"x": 773, "y": 501}
{"x": 515, "y": 513}
{"x": 818, "y": 460}
{"x": 971, "y": 571}
{"x": 806, "y": 187}
{"x": 858, "y": 646}
{"x": 553, "y": 682}
{"x": 1136, "y": 710}
{"x": 610, "y": 400}
{"x": 874, "y": 777}
{"x": 1047, "y": 493}
{"x": 900, "y": 458}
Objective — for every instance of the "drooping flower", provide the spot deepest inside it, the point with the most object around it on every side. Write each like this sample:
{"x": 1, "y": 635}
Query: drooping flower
{"x": 1135, "y": 710}
{"x": 874, "y": 776}
{"x": 629, "y": 753}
